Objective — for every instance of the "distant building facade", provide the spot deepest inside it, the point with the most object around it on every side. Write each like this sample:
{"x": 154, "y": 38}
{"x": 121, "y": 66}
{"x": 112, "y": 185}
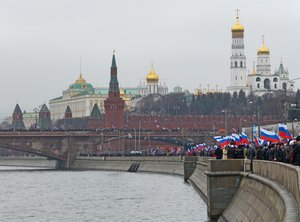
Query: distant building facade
{"x": 82, "y": 96}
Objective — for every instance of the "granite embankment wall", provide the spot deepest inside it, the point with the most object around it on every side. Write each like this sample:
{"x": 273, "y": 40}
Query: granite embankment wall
{"x": 168, "y": 165}
{"x": 269, "y": 193}
{"x": 30, "y": 161}
{"x": 233, "y": 193}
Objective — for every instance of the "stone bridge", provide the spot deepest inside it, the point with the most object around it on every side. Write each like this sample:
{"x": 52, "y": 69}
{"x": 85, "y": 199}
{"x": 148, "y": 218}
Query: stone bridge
{"x": 65, "y": 146}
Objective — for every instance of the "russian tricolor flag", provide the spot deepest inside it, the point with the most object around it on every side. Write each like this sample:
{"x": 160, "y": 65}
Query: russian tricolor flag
{"x": 259, "y": 142}
{"x": 269, "y": 136}
{"x": 221, "y": 141}
{"x": 244, "y": 139}
{"x": 236, "y": 138}
{"x": 283, "y": 132}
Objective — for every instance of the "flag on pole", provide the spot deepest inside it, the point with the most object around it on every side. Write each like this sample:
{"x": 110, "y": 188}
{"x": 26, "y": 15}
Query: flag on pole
{"x": 269, "y": 136}
{"x": 259, "y": 142}
{"x": 244, "y": 139}
{"x": 283, "y": 132}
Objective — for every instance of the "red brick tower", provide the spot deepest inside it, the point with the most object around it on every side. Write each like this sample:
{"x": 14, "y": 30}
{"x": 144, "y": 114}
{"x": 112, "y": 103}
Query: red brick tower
{"x": 114, "y": 104}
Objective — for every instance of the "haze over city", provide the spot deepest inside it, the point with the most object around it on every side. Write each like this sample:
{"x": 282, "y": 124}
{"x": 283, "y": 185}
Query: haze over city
{"x": 188, "y": 42}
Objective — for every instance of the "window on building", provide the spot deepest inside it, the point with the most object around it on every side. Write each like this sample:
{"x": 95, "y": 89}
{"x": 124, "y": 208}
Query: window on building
{"x": 275, "y": 80}
{"x": 258, "y": 85}
{"x": 257, "y": 79}
{"x": 267, "y": 84}
{"x": 241, "y": 64}
{"x": 235, "y": 64}
{"x": 236, "y": 78}
{"x": 275, "y": 86}
{"x": 241, "y": 77}
{"x": 284, "y": 86}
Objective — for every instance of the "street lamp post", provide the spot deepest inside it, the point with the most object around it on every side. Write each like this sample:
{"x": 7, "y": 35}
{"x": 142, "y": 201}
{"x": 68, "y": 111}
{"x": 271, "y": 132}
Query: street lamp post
{"x": 139, "y": 135}
{"x": 134, "y": 139}
{"x": 36, "y": 116}
{"x": 225, "y": 120}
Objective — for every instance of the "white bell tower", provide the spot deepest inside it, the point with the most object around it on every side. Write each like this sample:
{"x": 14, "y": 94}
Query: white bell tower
{"x": 238, "y": 72}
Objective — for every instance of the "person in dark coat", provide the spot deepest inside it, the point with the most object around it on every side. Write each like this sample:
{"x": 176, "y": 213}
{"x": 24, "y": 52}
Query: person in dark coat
{"x": 218, "y": 153}
{"x": 297, "y": 151}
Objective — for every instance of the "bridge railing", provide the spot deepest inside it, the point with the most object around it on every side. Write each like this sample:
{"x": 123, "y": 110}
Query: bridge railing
{"x": 285, "y": 174}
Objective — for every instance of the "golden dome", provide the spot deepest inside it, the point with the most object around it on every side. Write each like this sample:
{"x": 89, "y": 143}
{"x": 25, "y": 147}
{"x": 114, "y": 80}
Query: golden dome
{"x": 237, "y": 27}
{"x": 263, "y": 49}
{"x": 152, "y": 76}
{"x": 122, "y": 92}
{"x": 80, "y": 80}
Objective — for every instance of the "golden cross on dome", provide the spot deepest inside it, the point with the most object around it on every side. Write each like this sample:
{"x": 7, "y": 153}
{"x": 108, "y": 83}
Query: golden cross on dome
{"x": 263, "y": 39}
{"x": 237, "y": 13}
{"x": 80, "y": 64}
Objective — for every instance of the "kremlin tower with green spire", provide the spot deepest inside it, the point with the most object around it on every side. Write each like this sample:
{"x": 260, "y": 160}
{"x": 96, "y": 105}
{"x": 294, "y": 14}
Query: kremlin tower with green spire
{"x": 114, "y": 105}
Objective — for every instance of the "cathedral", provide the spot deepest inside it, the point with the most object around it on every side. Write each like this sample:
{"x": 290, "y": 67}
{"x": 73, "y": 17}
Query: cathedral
{"x": 261, "y": 80}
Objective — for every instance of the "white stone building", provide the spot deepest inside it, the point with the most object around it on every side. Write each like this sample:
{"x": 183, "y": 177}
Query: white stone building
{"x": 260, "y": 80}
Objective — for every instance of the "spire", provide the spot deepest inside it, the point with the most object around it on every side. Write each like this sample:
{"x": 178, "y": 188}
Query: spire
{"x": 237, "y": 15}
{"x": 114, "y": 90}
{"x": 113, "y": 63}
{"x": 17, "y": 109}
{"x": 68, "y": 109}
{"x": 80, "y": 66}
{"x": 44, "y": 108}
{"x": 263, "y": 49}
{"x": 95, "y": 111}
{"x": 237, "y": 27}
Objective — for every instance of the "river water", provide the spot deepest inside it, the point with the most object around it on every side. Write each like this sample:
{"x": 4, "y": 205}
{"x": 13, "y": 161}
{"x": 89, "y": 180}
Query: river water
{"x": 49, "y": 195}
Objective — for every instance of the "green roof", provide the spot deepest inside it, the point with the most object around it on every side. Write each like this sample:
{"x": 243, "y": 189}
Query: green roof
{"x": 44, "y": 108}
{"x": 95, "y": 111}
{"x": 68, "y": 110}
{"x": 17, "y": 109}
{"x": 113, "y": 63}
{"x": 79, "y": 87}
{"x": 281, "y": 69}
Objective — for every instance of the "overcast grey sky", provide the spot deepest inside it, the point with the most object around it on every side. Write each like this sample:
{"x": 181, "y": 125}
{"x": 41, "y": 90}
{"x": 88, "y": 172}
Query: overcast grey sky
{"x": 189, "y": 42}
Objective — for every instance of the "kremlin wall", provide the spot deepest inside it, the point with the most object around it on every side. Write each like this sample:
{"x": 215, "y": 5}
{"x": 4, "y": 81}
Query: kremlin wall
{"x": 117, "y": 118}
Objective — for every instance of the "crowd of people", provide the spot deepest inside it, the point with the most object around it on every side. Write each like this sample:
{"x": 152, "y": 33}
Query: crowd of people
{"x": 281, "y": 152}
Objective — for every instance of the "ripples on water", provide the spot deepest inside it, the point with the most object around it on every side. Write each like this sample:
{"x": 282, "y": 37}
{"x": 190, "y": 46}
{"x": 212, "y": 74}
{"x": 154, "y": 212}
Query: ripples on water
{"x": 43, "y": 195}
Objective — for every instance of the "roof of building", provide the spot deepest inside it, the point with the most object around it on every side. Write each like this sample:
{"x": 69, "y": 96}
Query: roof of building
{"x": 95, "y": 111}
{"x": 263, "y": 49}
{"x": 281, "y": 69}
{"x": 44, "y": 108}
{"x": 237, "y": 27}
{"x": 152, "y": 76}
{"x": 68, "y": 110}
{"x": 17, "y": 109}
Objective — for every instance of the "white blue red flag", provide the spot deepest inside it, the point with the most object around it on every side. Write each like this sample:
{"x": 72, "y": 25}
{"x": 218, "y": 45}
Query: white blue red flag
{"x": 283, "y": 132}
{"x": 236, "y": 138}
{"x": 244, "y": 139}
{"x": 259, "y": 142}
{"x": 269, "y": 136}
{"x": 221, "y": 141}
